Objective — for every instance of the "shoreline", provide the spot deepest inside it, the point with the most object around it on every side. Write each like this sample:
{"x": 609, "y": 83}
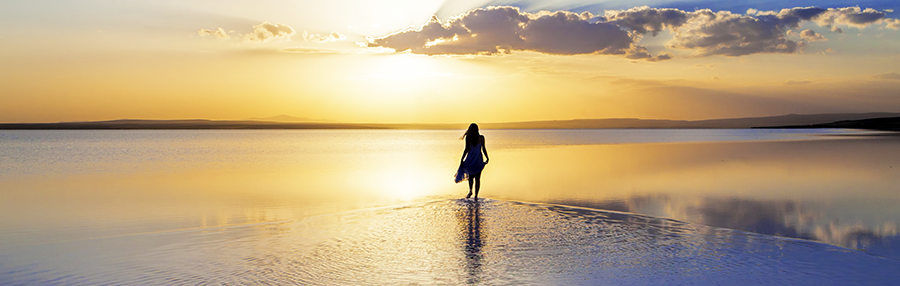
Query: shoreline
{"x": 871, "y": 121}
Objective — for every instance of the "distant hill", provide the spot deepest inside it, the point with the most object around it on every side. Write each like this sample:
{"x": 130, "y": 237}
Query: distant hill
{"x": 749, "y": 122}
{"x": 183, "y": 124}
{"x": 883, "y": 123}
{"x": 287, "y": 118}
{"x": 882, "y": 120}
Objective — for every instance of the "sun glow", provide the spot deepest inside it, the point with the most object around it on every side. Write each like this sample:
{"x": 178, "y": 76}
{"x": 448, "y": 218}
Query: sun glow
{"x": 404, "y": 67}
{"x": 411, "y": 187}
{"x": 403, "y": 177}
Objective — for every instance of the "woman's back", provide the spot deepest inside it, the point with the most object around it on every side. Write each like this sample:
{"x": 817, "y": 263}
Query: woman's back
{"x": 474, "y": 141}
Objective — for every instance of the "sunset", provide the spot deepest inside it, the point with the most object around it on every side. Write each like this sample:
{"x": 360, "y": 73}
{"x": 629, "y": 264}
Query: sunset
{"x": 422, "y": 61}
{"x": 316, "y": 143}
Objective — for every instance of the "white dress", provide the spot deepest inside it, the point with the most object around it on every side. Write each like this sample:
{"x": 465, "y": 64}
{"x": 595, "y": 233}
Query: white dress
{"x": 473, "y": 164}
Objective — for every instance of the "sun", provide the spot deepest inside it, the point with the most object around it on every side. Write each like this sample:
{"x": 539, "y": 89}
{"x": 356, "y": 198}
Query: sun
{"x": 406, "y": 68}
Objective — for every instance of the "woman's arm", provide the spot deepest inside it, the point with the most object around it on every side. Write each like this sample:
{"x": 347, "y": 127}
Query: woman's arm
{"x": 463, "y": 158}
{"x": 484, "y": 149}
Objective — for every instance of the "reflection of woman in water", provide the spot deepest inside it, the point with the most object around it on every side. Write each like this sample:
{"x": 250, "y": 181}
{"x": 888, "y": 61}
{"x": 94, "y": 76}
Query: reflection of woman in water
{"x": 471, "y": 163}
{"x": 472, "y": 220}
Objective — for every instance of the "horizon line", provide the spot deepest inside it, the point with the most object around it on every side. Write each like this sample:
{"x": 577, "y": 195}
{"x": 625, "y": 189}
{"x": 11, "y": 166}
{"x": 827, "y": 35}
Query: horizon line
{"x": 332, "y": 122}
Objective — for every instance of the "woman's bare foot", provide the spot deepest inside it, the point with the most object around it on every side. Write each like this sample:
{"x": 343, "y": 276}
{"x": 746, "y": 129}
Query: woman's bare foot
{"x": 469, "y": 195}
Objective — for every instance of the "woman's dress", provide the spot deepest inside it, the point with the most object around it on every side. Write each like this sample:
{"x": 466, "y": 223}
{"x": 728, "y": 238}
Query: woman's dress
{"x": 473, "y": 164}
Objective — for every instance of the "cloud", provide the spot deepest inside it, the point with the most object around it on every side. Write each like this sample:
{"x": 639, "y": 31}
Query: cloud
{"x": 495, "y": 30}
{"x": 888, "y": 76}
{"x": 850, "y": 16}
{"x": 797, "y": 82}
{"x": 641, "y": 53}
{"x": 827, "y": 51}
{"x": 811, "y": 36}
{"x": 307, "y": 50}
{"x": 219, "y": 33}
{"x": 891, "y": 23}
{"x": 646, "y": 20}
{"x": 570, "y": 33}
{"x": 765, "y": 217}
{"x": 333, "y": 37}
{"x": 725, "y": 33}
{"x": 266, "y": 32}
{"x": 776, "y": 218}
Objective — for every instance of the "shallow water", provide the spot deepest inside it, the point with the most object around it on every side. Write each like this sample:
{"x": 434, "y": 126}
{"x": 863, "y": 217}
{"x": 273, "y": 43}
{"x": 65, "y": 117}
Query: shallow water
{"x": 459, "y": 241}
{"x": 169, "y": 207}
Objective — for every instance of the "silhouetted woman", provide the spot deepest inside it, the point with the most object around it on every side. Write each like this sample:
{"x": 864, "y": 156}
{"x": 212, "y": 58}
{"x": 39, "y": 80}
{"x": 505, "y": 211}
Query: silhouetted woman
{"x": 471, "y": 163}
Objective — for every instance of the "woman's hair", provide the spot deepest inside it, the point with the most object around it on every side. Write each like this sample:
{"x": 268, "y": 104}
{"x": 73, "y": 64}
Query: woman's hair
{"x": 471, "y": 135}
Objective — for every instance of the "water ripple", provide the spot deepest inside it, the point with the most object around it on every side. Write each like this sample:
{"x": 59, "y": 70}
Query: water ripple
{"x": 455, "y": 242}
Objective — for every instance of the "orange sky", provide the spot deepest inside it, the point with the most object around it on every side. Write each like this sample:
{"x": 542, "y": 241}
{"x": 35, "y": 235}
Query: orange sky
{"x": 338, "y": 61}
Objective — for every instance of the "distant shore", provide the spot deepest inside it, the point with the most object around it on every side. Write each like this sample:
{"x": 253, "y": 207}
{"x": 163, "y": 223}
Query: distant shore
{"x": 875, "y": 121}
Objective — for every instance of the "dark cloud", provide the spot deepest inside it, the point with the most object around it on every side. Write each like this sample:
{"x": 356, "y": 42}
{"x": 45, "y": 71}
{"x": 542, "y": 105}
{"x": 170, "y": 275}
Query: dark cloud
{"x": 792, "y": 17}
{"x": 850, "y": 16}
{"x": 646, "y": 20}
{"x": 569, "y": 33}
{"x": 641, "y": 53}
{"x": 503, "y": 29}
{"x": 726, "y": 33}
{"x": 888, "y": 76}
{"x": 496, "y": 30}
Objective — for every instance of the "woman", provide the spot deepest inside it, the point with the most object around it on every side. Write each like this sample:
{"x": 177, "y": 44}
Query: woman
{"x": 471, "y": 163}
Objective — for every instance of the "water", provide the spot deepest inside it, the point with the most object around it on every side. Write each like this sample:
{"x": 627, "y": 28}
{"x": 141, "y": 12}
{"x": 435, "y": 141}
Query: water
{"x": 379, "y": 207}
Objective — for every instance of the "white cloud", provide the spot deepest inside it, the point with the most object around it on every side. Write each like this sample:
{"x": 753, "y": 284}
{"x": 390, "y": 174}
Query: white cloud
{"x": 807, "y": 35}
{"x": 219, "y": 33}
{"x": 333, "y": 37}
{"x": 811, "y": 36}
{"x": 307, "y": 50}
{"x": 265, "y": 32}
{"x": 891, "y": 23}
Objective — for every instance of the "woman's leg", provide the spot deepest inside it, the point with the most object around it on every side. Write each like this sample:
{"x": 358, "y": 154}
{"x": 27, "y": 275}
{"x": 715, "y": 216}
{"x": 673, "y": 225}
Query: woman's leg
{"x": 470, "y": 188}
{"x": 477, "y": 178}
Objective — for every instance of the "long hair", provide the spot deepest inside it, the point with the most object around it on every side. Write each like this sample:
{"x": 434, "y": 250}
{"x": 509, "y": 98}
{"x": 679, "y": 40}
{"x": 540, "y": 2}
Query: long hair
{"x": 471, "y": 135}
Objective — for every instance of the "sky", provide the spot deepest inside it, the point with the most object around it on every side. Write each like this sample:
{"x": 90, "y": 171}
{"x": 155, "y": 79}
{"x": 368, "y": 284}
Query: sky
{"x": 433, "y": 61}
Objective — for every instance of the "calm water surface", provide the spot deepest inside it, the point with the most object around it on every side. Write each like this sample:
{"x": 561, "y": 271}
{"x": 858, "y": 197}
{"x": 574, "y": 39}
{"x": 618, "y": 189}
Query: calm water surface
{"x": 563, "y": 207}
